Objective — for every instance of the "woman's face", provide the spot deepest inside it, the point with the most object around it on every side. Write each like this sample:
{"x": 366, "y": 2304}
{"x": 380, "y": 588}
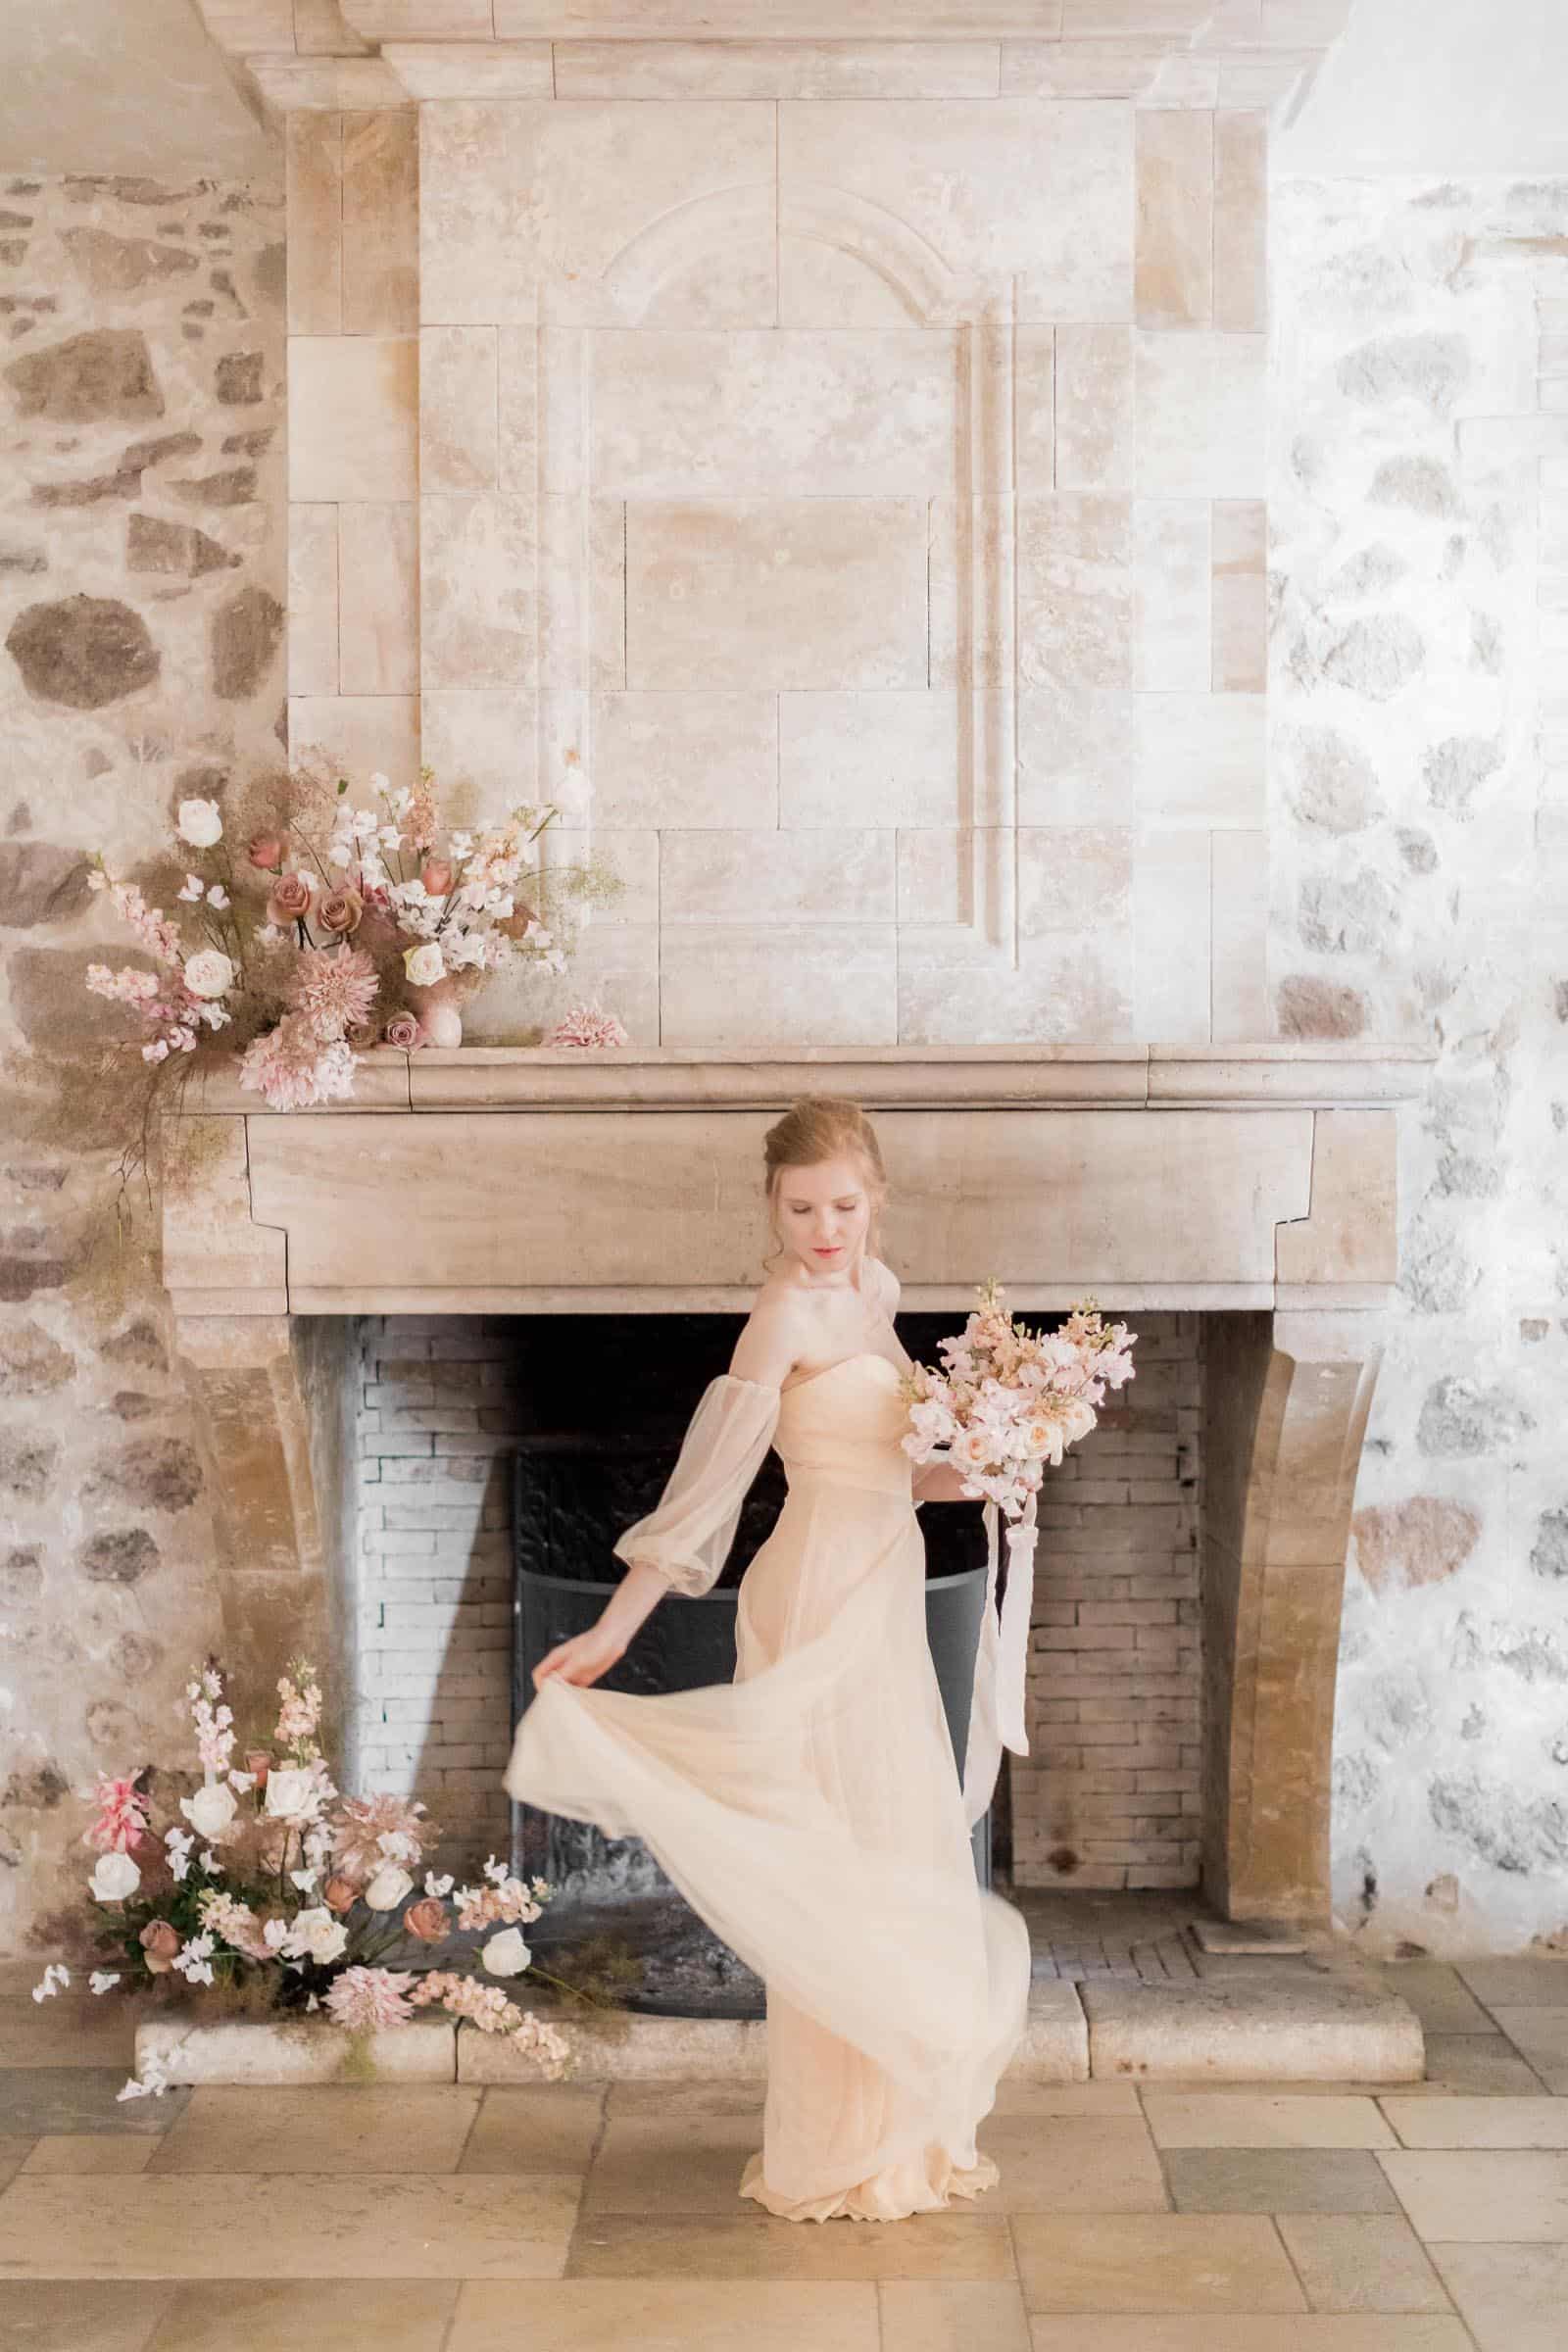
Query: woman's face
{"x": 823, "y": 1214}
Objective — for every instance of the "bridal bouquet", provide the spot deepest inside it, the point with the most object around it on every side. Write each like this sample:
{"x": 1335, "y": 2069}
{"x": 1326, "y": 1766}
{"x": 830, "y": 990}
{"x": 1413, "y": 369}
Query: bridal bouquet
{"x": 267, "y": 1883}
{"x": 334, "y": 928}
{"x": 1010, "y": 1399}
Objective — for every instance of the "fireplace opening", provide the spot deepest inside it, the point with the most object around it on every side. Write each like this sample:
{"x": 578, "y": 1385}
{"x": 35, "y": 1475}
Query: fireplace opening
{"x": 490, "y": 1448}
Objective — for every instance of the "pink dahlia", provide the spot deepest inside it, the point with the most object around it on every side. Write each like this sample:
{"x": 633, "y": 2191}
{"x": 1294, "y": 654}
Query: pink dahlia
{"x": 362, "y": 1998}
{"x": 367, "y": 1830}
{"x": 334, "y": 989}
{"x": 122, "y": 1821}
{"x": 291, "y": 1068}
{"x": 588, "y": 1026}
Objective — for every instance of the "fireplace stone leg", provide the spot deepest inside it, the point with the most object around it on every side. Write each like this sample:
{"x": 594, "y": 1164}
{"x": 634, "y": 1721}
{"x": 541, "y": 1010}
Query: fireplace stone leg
{"x": 1286, "y": 1404}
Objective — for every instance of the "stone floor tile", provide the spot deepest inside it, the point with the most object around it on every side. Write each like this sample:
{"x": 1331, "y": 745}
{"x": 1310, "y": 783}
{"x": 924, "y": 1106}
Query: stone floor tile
{"x": 15, "y": 2149}
{"x": 303, "y": 2225}
{"x": 1518, "y": 1980}
{"x": 1361, "y": 2261}
{"x": 1513, "y": 2298}
{"x": 1475, "y": 2062}
{"x": 68, "y": 2031}
{"x": 18, "y": 1979}
{"x": 1096, "y": 2164}
{"x": 1492, "y": 2195}
{"x": 347, "y": 2315}
{"x": 1154, "y": 2262}
{"x": 1277, "y": 2181}
{"x": 1018, "y": 2096}
{"x": 681, "y": 2165}
{"x": 1438, "y": 1994}
{"x": 707, "y": 2315}
{"x": 547, "y": 2127}
{"x": 1541, "y": 2036}
{"x": 366, "y": 2129}
{"x": 921, "y": 2316}
{"x": 1263, "y": 2120}
{"x": 97, "y": 2152}
{"x": 952, "y": 2246}
{"x": 1318, "y": 2333}
{"x": 1471, "y": 2122}
{"x": 72, "y": 2315}
{"x": 699, "y": 2097}
{"x": 54, "y": 2099}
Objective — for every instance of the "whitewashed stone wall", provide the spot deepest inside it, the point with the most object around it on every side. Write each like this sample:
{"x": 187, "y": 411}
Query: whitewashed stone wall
{"x": 1419, "y": 847}
{"x": 141, "y": 580}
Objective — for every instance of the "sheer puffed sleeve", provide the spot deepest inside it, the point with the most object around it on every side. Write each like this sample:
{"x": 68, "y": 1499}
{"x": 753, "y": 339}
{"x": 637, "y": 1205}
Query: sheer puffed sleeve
{"x": 687, "y": 1536}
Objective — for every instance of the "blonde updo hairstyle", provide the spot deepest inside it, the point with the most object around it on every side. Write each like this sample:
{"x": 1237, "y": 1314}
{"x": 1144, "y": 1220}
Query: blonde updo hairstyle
{"x": 817, "y": 1128}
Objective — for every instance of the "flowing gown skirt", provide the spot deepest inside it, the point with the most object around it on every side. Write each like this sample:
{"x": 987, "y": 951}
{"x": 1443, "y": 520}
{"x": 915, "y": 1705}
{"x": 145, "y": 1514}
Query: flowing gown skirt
{"x": 811, "y": 1812}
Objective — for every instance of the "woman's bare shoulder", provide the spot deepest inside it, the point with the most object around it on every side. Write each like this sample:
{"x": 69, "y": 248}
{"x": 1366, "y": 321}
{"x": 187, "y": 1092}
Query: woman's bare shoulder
{"x": 771, "y": 1338}
{"x": 887, "y": 1283}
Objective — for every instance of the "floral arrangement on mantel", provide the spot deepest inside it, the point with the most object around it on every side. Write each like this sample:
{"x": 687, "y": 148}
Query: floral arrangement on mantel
{"x": 272, "y": 1883}
{"x": 338, "y": 928}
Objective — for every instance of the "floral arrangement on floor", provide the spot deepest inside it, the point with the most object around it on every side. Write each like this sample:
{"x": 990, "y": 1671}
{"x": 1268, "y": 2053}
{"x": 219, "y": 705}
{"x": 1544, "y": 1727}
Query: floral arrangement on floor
{"x": 337, "y": 928}
{"x": 1009, "y": 1399}
{"x": 271, "y": 1880}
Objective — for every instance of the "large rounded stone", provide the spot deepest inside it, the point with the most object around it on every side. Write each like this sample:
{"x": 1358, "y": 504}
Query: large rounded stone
{"x": 245, "y": 636}
{"x": 37, "y": 1787}
{"x": 1548, "y": 1554}
{"x": 1430, "y": 369}
{"x": 138, "y": 1344}
{"x": 32, "y": 1363}
{"x": 1311, "y": 1008}
{"x": 1335, "y": 789}
{"x": 1455, "y": 769}
{"x": 107, "y": 372}
{"x": 83, "y": 652}
{"x": 1377, "y": 656}
{"x": 110, "y": 265}
{"x": 123, "y": 1556}
{"x": 26, "y": 1465}
{"x": 1347, "y": 916}
{"x": 161, "y": 1474}
{"x": 1510, "y": 1831}
{"x": 40, "y": 884}
{"x": 1421, "y": 484}
{"x": 1461, "y": 1418}
{"x": 1420, "y": 1541}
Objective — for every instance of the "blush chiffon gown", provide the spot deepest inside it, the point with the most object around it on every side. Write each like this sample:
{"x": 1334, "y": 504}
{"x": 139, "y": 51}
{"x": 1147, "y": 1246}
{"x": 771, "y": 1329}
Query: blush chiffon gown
{"x": 810, "y": 1810}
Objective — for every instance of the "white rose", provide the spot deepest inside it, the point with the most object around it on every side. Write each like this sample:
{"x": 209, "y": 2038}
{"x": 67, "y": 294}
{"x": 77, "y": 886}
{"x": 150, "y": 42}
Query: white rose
{"x": 423, "y": 964}
{"x": 315, "y": 1935}
{"x": 201, "y": 823}
{"x": 115, "y": 1876}
{"x": 505, "y": 1954}
{"x": 290, "y": 1791}
{"x": 209, "y": 974}
{"x": 388, "y": 1888}
{"x": 211, "y": 1810}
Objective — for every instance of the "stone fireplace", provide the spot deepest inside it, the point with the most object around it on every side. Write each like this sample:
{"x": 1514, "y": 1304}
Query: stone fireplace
{"x": 347, "y": 1285}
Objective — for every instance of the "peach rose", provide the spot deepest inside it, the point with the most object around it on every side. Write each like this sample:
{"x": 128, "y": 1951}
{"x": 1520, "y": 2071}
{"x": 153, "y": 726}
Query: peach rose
{"x": 267, "y": 851}
{"x": 289, "y": 901}
{"x": 404, "y": 1030}
{"x": 160, "y": 1941}
{"x": 339, "y": 1895}
{"x": 340, "y": 910}
{"x": 436, "y": 875}
{"x": 258, "y": 1763}
{"x": 426, "y": 1919}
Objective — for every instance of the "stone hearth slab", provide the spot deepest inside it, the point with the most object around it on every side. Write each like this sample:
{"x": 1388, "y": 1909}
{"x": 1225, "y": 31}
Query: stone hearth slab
{"x": 1331, "y": 2027}
{"x": 298, "y": 2051}
{"x": 1240, "y": 1937}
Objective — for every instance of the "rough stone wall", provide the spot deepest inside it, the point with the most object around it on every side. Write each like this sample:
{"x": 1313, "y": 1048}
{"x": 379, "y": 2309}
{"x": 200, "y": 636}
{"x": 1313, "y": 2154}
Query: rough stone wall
{"x": 141, "y": 556}
{"x": 1419, "y": 849}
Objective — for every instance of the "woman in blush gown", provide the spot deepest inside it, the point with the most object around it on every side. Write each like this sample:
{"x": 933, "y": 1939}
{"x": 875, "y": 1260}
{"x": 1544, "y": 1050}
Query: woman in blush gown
{"x": 810, "y": 1810}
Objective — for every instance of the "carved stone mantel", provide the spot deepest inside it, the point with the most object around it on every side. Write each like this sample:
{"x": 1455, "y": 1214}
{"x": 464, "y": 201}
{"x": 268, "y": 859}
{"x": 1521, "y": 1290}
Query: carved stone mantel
{"x": 1254, "y": 1183}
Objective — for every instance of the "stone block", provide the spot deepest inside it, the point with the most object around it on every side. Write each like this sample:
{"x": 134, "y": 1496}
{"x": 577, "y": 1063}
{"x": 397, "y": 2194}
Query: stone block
{"x": 1240, "y": 620}
{"x": 834, "y": 876}
{"x": 378, "y": 598}
{"x": 897, "y": 758}
{"x": 1094, "y": 419}
{"x": 780, "y": 414}
{"x": 1201, "y": 415}
{"x": 298, "y": 2051}
{"x": 1336, "y": 2029}
{"x": 459, "y": 407}
{"x": 366, "y": 733}
{"x": 1173, "y": 279}
{"x": 1077, "y": 756}
{"x": 782, "y": 593}
{"x": 1074, "y": 879}
{"x": 1171, "y": 925}
{"x": 1239, "y": 947}
{"x": 1001, "y": 188}
{"x": 353, "y": 418}
{"x": 518, "y": 423}
{"x": 1075, "y": 590}
{"x": 473, "y": 68}
{"x": 635, "y": 198}
{"x": 1034, "y": 413}
{"x": 583, "y": 592}
{"x": 381, "y": 222}
{"x": 775, "y": 68}
{"x": 1175, "y": 593}
{"x": 1067, "y": 990}
{"x": 483, "y": 746}
{"x": 1241, "y": 221}
{"x": 313, "y": 182}
{"x": 694, "y": 760}
{"x": 773, "y": 984}
{"x": 478, "y": 599}
{"x": 1200, "y": 759}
